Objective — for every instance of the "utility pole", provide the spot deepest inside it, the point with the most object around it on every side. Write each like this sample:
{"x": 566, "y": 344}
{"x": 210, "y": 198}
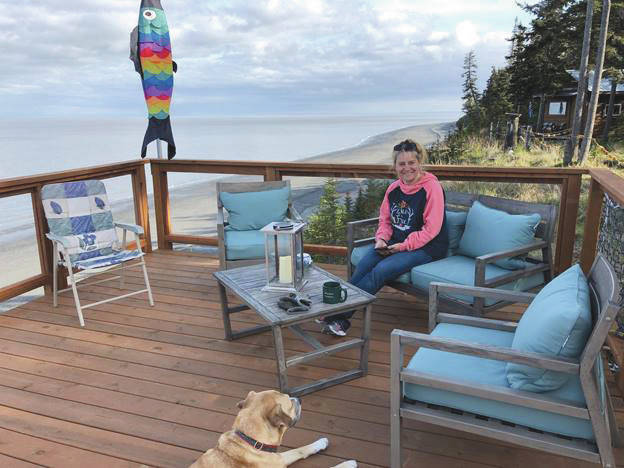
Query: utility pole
{"x": 571, "y": 150}
{"x": 591, "y": 112}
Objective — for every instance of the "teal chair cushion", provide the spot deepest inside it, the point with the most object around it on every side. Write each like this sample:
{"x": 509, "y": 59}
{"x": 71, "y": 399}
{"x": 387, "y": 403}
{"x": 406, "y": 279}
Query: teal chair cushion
{"x": 247, "y": 245}
{"x": 489, "y": 231}
{"x": 455, "y": 222}
{"x": 458, "y": 269}
{"x": 253, "y": 210}
{"x": 359, "y": 252}
{"x": 557, "y": 323}
{"x": 475, "y": 370}
{"x": 243, "y": 245}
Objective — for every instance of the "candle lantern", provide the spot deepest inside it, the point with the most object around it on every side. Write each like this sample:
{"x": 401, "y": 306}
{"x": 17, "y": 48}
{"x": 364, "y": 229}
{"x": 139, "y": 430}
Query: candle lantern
{"x": 283, "y": 251}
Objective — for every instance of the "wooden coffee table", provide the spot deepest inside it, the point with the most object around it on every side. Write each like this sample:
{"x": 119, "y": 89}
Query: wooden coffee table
{"x": 247, "y": 283}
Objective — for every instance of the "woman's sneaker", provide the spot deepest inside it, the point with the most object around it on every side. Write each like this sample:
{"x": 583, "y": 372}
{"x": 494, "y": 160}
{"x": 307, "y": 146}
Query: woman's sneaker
{"x": 336, "y": 327}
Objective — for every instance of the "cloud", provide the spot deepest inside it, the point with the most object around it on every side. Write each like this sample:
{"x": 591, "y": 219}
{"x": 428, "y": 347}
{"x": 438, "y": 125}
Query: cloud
{"x": 249, "y": 57}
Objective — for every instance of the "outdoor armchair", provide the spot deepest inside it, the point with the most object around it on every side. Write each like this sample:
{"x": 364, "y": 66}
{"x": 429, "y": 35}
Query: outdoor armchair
{"x": 538, "y": 383}
{"x": 85, "y": 240}
{"x": 249, "y": 207}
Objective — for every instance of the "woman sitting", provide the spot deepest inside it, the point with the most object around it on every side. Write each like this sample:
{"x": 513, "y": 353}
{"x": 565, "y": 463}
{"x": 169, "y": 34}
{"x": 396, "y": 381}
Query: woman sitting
{"x": 412, "y": 229}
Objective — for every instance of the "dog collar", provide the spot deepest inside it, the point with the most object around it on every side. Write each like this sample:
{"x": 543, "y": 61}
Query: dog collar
{"x": 255, "y": 444}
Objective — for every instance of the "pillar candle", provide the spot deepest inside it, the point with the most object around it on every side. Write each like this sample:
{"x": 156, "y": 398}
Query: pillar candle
{"x": 285, "y": 269}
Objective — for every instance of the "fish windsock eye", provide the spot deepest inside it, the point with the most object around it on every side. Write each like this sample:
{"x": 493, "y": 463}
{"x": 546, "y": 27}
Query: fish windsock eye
{"x": 149, "y": 15}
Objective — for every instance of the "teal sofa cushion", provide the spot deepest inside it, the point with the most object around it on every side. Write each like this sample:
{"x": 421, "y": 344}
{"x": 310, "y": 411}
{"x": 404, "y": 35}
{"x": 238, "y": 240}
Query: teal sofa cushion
{"x": 470, "y": 369}
{"x": 489, "y": 231}
{"x": 557, "y": 323}
{"x": 254, "y": 210}
{"x": 455, "y": 222}
{"x": 359, "y": 252}
{"x": 460, "y": 270}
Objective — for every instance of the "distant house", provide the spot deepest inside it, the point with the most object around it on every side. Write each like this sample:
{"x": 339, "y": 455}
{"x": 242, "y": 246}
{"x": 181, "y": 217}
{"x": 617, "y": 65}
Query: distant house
{"x": 559, "y": 107}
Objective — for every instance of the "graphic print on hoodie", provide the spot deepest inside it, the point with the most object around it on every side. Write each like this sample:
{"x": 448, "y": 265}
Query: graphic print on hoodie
{"x": 413, "y": 215}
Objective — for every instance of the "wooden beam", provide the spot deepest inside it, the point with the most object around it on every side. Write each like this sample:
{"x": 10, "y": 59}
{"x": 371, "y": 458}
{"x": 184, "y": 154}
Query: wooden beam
{"x": 566, "y": 231}
{"x": 161, "y": 207}
{"x": 592, "y": 225}
{"x": 94, "y": 172}
{"x": 141, "y": 209}
{"x": 610, "y": 183}
{"x": 23, "y": 286}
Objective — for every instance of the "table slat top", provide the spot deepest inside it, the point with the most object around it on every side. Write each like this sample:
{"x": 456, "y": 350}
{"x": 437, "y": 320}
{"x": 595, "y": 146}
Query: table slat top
{"x": 247, "y": 283}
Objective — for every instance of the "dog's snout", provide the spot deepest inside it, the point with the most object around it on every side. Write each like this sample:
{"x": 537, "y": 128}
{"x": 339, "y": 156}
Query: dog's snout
{"x": 297, "y": 404}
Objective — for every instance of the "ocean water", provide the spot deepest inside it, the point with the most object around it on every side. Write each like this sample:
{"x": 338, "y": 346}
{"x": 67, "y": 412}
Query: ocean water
{"x": 38, "y": 146}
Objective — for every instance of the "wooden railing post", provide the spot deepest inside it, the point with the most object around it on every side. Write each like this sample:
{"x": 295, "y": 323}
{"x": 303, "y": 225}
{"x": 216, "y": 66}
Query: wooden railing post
{"x": 141, "y": 208}
{"x": 161, "y": 206}
{"x": 272, "y": 174}
{"x": 592, "y": 225}
{"x": 566, "y": 230}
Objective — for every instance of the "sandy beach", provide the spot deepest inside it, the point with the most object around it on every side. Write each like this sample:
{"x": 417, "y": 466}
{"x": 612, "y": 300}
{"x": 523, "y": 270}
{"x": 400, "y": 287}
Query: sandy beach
{"x": 194, "y": 205}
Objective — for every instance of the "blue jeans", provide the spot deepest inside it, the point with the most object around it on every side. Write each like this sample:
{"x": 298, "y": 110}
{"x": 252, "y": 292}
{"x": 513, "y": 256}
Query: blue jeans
{"x": 374, "y": 270}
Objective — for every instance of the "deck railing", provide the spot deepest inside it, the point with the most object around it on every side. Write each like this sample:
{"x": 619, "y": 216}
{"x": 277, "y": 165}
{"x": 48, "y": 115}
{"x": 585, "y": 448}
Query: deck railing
{"x": 32, "y": 185}
{"x": 568, "y": 179}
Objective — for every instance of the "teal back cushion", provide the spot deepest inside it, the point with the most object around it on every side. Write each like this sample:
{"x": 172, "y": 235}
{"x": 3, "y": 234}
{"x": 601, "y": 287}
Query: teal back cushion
{"x": 253, "y": 210}
{"x": 489, "y": 231}
{"x": 455, "y": 222}
{"x": 557, "y": 324}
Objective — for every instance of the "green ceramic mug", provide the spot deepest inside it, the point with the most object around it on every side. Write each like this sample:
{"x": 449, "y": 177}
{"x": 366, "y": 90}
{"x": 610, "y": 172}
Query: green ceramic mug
{"x": 333, "y": 293}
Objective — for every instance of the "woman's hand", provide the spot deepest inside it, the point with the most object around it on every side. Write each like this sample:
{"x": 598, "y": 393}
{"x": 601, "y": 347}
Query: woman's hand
{"x": 394, "y": 248}
{"x": 380, "y": 244}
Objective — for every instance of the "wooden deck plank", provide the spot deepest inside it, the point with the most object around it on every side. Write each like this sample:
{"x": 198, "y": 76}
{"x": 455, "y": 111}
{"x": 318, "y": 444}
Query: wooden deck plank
{"x": 158, "y": 385}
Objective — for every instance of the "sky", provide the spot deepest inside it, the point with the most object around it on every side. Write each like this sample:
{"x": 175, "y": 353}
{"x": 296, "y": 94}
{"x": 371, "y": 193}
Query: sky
{"x": 252, "y": 57}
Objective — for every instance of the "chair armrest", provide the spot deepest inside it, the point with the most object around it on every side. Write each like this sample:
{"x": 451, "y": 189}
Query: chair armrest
{"x": 489, "y": 258}
{"x": 58, "y": 239}
{"x": 436, "y": 288}
{"x": 130, "y": 227}
{"x": 352, "y": 242}
{"x": 422, "y": 340}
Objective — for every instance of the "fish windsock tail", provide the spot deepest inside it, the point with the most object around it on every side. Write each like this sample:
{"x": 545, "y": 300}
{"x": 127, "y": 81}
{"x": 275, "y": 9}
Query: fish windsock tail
{"x": 159, "y": 129}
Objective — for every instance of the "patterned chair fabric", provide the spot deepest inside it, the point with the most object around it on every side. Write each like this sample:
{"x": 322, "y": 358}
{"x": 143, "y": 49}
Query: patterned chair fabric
{"x": 79, "y": 214}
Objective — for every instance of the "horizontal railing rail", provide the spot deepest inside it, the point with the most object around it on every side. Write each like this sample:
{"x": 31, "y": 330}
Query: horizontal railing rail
{"x": 603, "y": 181}
{"x": 569, "y": 179}
{"x": 32, "y": 185}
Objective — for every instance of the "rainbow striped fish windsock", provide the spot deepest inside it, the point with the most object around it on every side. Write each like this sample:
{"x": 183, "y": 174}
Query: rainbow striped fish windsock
{"x": 150, "y": 51}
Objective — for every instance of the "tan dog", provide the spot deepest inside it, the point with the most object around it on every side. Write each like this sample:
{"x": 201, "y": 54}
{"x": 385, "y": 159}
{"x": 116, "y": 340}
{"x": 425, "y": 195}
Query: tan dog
{"x": 257, "y": 432}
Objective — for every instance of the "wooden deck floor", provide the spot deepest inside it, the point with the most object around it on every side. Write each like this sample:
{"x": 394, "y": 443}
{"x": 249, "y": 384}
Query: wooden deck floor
{"x": 159, "y": 385}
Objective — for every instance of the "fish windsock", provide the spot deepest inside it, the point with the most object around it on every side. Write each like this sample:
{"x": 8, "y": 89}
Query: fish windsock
{"x": 150, "y": 51}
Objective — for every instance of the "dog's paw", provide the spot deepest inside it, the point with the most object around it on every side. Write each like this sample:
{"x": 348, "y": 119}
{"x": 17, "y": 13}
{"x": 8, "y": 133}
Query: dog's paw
{"x": 321, "y": 444}
{"x": 347, "y": 464}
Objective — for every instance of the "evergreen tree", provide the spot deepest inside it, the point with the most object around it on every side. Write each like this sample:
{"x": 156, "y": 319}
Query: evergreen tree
{"x": 472, "y": 119}
{"x": 359, "y": 207}
{"x": 496, "y": 100}
{"x": 348, "y": 204}
{"x": 327, "y": 225}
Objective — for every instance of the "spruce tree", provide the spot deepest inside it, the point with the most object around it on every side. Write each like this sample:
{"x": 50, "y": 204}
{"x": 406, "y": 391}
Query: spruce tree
{"x": 472, "y": 119}
{"x": 496, "y": 100}
{"x": 327, "y": 225}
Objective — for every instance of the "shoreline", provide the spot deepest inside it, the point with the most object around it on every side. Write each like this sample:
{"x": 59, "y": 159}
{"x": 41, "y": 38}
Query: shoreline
{"x": 194, "y": 205}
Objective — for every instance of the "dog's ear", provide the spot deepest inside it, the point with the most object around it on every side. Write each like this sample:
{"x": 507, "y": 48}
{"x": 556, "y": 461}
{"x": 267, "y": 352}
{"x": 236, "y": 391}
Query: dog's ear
{"x": 241, "y": 404}
{"x": 278, "y": 417}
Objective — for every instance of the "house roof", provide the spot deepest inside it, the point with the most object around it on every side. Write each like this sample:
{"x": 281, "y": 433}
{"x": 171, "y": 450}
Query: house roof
{"x": 605, "y": 83}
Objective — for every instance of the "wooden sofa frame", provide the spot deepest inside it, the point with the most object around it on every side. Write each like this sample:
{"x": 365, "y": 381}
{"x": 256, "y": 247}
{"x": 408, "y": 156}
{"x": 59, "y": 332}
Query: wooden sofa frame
{"x": 604, "y": 290}
{"x": 243, "y": 187}
{"x": 460, "y": 201}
